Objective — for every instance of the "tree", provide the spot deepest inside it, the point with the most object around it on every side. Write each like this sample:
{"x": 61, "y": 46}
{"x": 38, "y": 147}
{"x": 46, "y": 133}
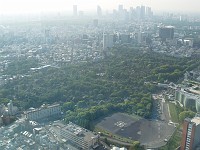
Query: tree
{"x": 68, "y": 106}
{"x": 186, "y": 114}
{"x": 136, "y": 146}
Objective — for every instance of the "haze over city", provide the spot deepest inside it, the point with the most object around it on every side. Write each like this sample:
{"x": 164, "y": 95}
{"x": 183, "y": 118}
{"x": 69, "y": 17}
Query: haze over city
{"x": 36, "y": 6}
{"x": 99, "y": 75}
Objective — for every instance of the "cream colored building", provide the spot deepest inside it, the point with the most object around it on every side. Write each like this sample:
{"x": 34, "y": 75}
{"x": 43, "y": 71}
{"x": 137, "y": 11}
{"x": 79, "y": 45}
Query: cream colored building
{"x": 43, "y": 112}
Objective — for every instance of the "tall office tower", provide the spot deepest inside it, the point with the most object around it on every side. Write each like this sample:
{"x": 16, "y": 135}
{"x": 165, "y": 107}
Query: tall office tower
{"x": 149, "y": 12}
{"x": 107, "y": 41}
{"x": 120, "y": 8}
{"x": 191, "y": 134}
{"x": 138, "y": 12}
{"x": 132, "y": 13}
{"x": 99, "y": 11}
{"x": 166, "y": 32}
{"x": 75, "y": 10}
{"x": 142, "y": 12}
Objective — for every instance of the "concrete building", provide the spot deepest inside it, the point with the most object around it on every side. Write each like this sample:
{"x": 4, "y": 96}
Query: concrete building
{"x": 188, "y": 42}
{"x": 138, "y": 12}
{"x": 2, "y": 109}
{"x": 166, "y": 32}
{"x": 99, "y": 11}
{"x": 75, "y": 10}
{"x": 79, "y": 136}
{"x": 149, "y": 12}
{"x": 10, "y": 108}
{"x": 108, "y": 41}
{"x": 191, "y": 134}
{"x": 124, "y": 38}
{"x": 43, "y": 112}
{"x": 120, "y": 8}
{"x": 141, "y": 37}
{"x": 187, "y": 98}
{"x": 1, "y": 121}
{"x": 142, "y": 12}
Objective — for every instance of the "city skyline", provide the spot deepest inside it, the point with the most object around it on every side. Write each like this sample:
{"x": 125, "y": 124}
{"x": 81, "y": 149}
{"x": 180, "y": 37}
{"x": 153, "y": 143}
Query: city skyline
{"x": 35, "y": 6}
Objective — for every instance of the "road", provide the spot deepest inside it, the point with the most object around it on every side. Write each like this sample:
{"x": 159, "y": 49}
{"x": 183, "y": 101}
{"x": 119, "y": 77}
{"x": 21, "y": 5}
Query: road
{"x": 115, "y": 141}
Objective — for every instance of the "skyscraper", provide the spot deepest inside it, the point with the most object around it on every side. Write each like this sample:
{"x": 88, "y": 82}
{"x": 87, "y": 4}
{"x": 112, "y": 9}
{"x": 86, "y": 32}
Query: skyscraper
{"x": 191, "y": 134}
{"x": 120, "y": 8}
{"x": 99, "y": 11}
{"x": 142, "y": 12}
{"x": 149, "y": 12}
{"x": 75, "y": 10}
{"x": 138, "y": 12}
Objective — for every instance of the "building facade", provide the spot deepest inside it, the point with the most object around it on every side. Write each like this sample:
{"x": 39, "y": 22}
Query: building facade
{"x": 108, "y": 41}
{"x": 99, "y": 11}
{"x": 43, "y": 112}
{"x": 75, "y": 10}
{"x": 79, "y": 136}
{"x": 10, "y": 108}
{"x": 188, "y": 99}
{"x": 166, "y": 32}
{"x": 191, "y": 134}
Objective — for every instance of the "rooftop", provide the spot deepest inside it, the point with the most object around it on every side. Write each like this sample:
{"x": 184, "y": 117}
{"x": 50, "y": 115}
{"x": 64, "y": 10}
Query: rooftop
{"x": 196, "y": 120}
{"x": 79, "y": 132}
{"x": 42, "y": 107}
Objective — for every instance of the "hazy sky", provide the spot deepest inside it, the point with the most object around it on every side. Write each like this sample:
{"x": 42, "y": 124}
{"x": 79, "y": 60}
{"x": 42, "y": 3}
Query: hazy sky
{"x": 21, "y": 6}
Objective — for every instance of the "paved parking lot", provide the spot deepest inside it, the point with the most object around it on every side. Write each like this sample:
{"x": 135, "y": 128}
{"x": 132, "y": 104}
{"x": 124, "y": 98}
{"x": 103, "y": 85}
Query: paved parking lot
{"x": 152, "y": 133}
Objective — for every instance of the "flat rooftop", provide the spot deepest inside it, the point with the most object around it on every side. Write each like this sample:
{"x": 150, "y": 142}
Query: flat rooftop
{"x": 196, "y": 120}
{"x": 41, "y": 107}
{"x": 79, "y": 132}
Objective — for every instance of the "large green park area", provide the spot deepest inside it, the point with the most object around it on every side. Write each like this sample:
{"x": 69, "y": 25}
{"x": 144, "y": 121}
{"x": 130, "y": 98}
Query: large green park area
{"x": 122, "y": 81}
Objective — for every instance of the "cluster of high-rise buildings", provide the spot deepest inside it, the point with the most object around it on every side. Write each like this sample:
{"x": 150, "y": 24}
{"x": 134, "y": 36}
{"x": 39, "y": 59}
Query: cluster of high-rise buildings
{"x": 140, "y": 12}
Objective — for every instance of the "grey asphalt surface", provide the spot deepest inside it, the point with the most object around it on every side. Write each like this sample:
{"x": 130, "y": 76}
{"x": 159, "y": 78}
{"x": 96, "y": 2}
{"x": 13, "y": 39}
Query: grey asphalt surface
{"x": 151, "y": 133}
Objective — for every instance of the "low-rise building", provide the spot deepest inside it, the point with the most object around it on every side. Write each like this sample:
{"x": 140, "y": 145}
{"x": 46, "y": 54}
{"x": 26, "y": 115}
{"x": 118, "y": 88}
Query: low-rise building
{"x": 79, "y": 136}
{"x": 117, "y": 148}
{"x": 188, "y": 99}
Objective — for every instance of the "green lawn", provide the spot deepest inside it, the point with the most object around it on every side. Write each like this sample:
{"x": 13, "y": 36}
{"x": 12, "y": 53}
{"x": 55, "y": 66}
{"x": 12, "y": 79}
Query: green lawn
{"x": 173, "y": 112}
{"x": 174, "y": 142}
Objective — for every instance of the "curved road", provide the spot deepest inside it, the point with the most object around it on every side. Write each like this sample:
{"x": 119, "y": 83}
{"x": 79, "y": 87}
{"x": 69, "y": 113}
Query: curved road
{"x": 115, "y": 141}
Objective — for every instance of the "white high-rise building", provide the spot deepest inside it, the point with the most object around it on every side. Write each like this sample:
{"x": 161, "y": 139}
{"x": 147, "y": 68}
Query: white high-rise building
{"x": 75, "y": 10}
{"x": 99, "y": 11}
